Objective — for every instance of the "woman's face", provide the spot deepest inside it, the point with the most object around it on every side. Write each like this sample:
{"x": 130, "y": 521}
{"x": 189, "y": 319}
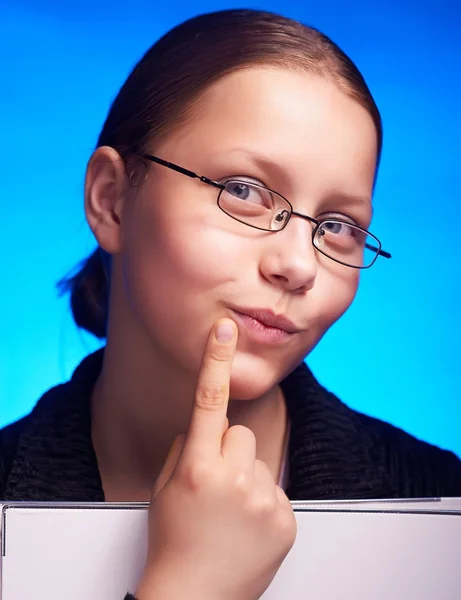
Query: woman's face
{"x": 185, "y": 263}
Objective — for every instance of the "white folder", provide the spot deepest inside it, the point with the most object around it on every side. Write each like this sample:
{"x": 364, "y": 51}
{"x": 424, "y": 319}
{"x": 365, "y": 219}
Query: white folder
{"x": 384, "y": 550}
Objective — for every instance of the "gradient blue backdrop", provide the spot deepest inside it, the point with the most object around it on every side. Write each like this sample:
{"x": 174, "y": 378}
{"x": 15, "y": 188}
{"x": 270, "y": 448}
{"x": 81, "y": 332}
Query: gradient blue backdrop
{"x": 396, "y": 353}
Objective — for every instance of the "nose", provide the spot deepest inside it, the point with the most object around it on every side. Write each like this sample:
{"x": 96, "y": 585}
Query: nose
{"x": 289, "y": 260}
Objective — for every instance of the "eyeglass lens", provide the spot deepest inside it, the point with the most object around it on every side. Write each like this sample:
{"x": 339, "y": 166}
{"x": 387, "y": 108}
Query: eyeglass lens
{"x": 259, "y": 207}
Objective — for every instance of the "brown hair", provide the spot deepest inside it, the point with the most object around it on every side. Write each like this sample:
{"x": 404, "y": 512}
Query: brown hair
{"x": 164, "y": 86}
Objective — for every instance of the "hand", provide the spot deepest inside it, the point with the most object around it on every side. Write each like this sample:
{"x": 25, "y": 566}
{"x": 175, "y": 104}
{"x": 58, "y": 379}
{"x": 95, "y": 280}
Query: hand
{"x": 219, "y": 527}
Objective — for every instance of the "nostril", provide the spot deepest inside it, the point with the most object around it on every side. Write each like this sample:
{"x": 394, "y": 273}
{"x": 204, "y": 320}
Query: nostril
{"x": 281, "y": 278}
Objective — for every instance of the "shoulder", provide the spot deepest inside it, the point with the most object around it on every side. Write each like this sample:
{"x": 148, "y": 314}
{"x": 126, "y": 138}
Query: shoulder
{"x": 9, "y": 437}
{"x": 415, "y": 467}
{"x": 384, "y": 460}
{"x": 49, "y": 454}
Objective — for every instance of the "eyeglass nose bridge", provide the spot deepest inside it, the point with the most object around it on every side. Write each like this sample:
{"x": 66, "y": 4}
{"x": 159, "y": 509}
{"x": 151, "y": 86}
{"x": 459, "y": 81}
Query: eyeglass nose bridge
{"x": 314, "y": 222}
{"x": 292, "y": 212}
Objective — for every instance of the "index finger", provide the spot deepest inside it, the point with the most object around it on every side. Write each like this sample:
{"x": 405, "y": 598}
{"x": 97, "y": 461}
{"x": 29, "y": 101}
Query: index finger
{"x": 208, "y": 419}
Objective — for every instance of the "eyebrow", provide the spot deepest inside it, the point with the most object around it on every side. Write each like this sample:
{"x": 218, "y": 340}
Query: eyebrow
{"x": 353, "y": 200}
{"x": 266, "y": 164}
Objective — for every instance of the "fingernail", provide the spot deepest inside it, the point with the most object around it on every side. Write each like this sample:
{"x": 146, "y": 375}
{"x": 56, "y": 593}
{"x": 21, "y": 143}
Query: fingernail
{"x": 224, "y": 332}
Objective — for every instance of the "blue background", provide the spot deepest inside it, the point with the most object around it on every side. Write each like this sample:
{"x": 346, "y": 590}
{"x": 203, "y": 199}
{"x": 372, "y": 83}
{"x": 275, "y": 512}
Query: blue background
{"x": 395, "y": 354}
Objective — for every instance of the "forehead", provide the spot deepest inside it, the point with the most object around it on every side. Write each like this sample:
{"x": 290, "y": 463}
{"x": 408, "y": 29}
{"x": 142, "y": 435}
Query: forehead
{"x": 301, "y": 121}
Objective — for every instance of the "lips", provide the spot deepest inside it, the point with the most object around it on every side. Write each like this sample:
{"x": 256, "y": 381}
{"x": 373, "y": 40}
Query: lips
{"x": 269, "y": 319}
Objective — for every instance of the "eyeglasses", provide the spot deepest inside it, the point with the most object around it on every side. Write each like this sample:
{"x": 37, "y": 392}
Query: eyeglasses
{"x": 261, "y": 208}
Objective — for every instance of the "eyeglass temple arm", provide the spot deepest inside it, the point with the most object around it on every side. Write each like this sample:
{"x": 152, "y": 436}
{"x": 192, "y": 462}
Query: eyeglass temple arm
{"x": 380, "y": 252}
{"x": 182, "y": 170}
{"x": 369, "y": 246}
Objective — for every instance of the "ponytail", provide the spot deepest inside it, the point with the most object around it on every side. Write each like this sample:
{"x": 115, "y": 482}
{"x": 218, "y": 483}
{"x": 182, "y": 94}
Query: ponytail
{"x": 89, "y": 293}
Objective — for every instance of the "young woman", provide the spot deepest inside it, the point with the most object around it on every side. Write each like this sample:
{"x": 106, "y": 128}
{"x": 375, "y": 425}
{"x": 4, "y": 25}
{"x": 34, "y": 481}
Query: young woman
{"x": 230, "y": 198}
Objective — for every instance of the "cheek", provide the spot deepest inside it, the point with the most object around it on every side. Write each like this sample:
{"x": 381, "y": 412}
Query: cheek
{"x": 177, "y": 272}
{"x": 189, "y": 257}
{"x": 331, "y": 296}
{"x": 180, "y": 240}
{"x": 254, "y": 373}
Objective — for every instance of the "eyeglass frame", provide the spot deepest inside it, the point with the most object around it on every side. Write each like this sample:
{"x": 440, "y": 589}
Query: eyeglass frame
{"x": 378, "y": 251}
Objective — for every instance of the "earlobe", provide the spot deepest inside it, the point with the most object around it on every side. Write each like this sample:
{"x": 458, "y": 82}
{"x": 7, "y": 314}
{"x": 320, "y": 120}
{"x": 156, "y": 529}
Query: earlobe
{"x": 105, "y": 189}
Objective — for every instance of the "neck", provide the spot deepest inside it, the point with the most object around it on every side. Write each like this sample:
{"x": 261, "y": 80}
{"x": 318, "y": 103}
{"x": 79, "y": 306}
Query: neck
{"x": 141, "y": 402}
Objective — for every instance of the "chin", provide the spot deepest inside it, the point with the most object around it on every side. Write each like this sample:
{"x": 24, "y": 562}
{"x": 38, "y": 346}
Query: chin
{"x": 253, "y": 376}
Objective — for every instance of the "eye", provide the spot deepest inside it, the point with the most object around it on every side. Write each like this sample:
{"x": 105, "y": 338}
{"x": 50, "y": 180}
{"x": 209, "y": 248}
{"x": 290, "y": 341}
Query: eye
{"x": 359, "y": 219}
{"x": 251, "y": 193}
{"x": 337, "y": 235}
{"x": 337, "y": 228}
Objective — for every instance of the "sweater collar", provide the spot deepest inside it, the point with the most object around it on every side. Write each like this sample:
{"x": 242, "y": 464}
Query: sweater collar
{"x": 329, "y": 455}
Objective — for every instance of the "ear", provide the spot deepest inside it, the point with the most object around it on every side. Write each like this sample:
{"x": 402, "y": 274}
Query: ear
{"x": 106, "y": 186}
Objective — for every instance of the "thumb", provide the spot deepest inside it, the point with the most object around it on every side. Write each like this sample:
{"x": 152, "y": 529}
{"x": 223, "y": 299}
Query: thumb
{"x": 169, "y": 465}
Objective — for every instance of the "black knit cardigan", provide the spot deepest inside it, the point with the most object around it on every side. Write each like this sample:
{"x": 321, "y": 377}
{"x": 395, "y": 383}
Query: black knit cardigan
{"x": 334, "y": 452}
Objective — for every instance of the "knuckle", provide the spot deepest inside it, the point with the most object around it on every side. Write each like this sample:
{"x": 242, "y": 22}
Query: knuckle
{"x": 195, "y": 476}
{"x": 242, "y": 431}
{"x": 241, "y": 482}
{"x": 211, "y": 394}
{"x": 265, "y": 505}
{"x": 261, "y": 468}
{"x": 287, "y": 527}
{"x": 220, "y": 353}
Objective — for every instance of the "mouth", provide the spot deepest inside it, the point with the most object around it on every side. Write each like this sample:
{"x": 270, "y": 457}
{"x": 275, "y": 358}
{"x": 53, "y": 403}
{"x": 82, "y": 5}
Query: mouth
{"x": 264, "y": 325}
{"x": 269, "y": 319}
